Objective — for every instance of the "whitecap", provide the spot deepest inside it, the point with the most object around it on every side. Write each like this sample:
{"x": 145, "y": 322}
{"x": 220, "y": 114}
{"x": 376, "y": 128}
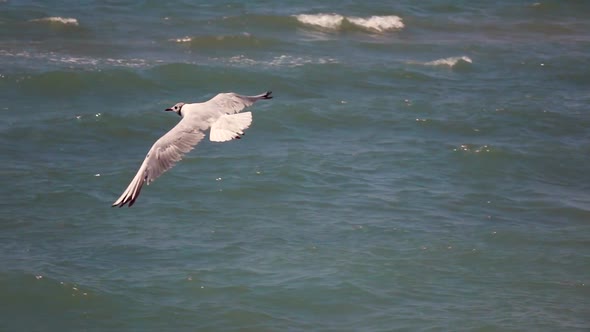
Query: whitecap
{"x": 242, "y": 60}
{"x": 182, "y": 40}
{"x": 335, "y": 21}
{"x": 451, "y": 61}
{"x": 57, "y": 19}
{"x": 378, "y": 23}
{"x": 326, "y": 21}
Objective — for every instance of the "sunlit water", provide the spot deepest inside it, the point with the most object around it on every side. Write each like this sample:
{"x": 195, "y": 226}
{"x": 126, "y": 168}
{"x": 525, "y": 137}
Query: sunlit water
{"x": 422, "y": 167}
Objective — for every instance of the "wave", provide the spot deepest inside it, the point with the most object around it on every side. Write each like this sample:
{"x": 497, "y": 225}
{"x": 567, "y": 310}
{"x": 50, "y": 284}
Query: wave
{"x": 379, "y": 23}
{"x": 327, "y": 21}
{"x": 337, "y": 22}
{"x": 450, "y": 62}
{"x": 58, "y": 20}
{"x": 74, "y": 61}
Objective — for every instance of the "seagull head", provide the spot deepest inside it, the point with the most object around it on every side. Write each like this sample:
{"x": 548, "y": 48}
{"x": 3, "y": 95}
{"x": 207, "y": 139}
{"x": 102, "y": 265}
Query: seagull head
{"x": 176, "y": 108}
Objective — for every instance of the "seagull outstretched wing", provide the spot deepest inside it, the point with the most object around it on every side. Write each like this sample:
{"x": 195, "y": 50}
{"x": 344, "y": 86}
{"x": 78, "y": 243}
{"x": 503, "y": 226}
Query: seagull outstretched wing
{"x": 167, "y": 150}
{"x": 231, "y": 103}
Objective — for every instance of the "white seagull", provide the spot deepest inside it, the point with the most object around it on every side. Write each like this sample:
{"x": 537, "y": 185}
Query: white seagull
{"x": 220, "y": 114}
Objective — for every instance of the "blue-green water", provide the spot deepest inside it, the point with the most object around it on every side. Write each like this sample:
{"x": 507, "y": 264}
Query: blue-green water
{"x": 422, "y": 167}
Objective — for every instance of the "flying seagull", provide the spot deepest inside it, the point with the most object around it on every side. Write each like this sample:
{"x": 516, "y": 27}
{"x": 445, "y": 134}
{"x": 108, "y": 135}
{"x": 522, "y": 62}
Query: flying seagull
{"x": 221, "y": 114}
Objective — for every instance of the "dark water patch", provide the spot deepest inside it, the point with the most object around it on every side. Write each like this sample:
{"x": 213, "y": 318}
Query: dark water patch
{"x": 260, "y": 22}
{"x": 501, "y": 25}
{"x": 571, "y": 68}
{"x": 545, "y": 10}
{"x": 337, "y": 79}
{"x": 243, "y": 43}
{"x": 55, "y": 299}
{"x": 579, "y": 78}
{"x": 66, "y": 83}
{"x": 211, "y": 80}
{"x": 539, "y": 123}
{"x": 406, "y": 75}
{"x": 178, "y": 73}
{"x": 544, "y": 28}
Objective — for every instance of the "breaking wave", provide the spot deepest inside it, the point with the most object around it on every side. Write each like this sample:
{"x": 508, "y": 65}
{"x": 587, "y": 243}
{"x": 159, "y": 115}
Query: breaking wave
{"x": 327, "y": 21}
{"x": 336, "y": 22}
{"x": 58, "y": 20}
{"x": 450, "y": 61}
{"x": 378, "y": 23}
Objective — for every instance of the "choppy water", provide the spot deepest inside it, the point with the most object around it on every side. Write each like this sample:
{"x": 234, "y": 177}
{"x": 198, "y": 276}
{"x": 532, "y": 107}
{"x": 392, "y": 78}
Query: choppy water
{"x": 423, "y": 167}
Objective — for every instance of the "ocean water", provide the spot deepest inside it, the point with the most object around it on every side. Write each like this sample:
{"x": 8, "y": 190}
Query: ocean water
{"x": 422, "y": 167}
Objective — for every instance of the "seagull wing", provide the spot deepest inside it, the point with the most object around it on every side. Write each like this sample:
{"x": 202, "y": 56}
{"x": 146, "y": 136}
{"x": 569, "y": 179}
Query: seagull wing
{"x": 230, "y": 103}
{"x": 230, "y": 126}
{"x": 167, "y": 150}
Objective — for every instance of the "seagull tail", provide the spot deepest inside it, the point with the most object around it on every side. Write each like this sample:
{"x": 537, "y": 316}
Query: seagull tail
{"x": 266, "y": 95}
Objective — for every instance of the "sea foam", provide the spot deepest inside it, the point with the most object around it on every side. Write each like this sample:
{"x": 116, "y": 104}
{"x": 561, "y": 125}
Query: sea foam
{"x": 378, "y": 23}
{"x": 58, "y": 20}
{"x": 73, "y": 61}
{"x": 280, "y": 61}
{"x": 182, "y": 40}
{"x": 450, "y": 62}
{"x": 327, "y": 21}
{"x": 335, "y": 21}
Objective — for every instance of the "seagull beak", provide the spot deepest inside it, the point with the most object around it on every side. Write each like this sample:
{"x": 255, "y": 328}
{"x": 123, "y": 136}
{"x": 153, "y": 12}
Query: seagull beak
{"x": 168, "y": 110}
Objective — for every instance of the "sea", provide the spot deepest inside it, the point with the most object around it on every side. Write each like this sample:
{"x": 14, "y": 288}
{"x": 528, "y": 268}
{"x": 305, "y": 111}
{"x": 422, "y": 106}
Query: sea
{"x": 423, "y": 166}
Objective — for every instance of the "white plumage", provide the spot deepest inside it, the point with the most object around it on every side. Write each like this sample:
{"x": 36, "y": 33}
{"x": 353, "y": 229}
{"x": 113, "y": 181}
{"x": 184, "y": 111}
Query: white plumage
{"x": 220, "y": 114}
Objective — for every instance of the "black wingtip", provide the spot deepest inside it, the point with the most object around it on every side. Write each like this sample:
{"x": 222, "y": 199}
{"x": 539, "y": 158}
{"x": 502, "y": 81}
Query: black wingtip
{"x": 123, "y": 203}
{"x": 267, "y": 95}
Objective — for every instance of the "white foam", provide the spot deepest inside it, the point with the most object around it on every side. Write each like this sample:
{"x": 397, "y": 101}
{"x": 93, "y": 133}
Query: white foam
{"x": 57, "y": 19}
{"x": 291, "y": 61}
{"x": 281, "y": 61}
{"x": 451, "y": 61}
{"x": 182, "y": 40}
{"x": 242, "y": 60}
{"x": 326, "y": 21}
{"x": 378, "y": 23}
{"x": 72, "y": 61}
{"x": 335, "y": 21}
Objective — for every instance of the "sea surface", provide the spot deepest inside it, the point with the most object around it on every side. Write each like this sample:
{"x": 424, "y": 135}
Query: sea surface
{"x": 424, "y": 166}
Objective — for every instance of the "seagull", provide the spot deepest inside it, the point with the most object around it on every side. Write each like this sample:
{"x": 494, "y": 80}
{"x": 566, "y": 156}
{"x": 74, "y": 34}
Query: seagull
{"x": 220, "y": 115}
